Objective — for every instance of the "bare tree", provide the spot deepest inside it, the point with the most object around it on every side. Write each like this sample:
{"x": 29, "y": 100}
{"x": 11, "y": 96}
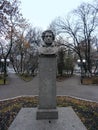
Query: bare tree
{"x": 80, "y": 26}
{"x": 9, "y": 13}
{"x": 24, "y": 51}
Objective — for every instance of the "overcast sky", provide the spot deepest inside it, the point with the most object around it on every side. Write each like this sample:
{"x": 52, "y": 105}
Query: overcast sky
{"x": 41, "y": 13}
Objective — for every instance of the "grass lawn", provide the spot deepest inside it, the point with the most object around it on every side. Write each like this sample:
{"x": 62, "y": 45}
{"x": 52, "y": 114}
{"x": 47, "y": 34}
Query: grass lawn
{"x": 87, "y": 111}
{"x": 25, "y": 77}
{"x": 2, "y": 81}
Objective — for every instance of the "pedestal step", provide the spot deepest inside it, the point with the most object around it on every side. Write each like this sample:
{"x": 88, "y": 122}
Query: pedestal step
{"x": 26, "y": 120}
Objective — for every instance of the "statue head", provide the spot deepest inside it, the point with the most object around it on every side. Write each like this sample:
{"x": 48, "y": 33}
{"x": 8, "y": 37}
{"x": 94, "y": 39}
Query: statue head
{"x": 48, "y": 37}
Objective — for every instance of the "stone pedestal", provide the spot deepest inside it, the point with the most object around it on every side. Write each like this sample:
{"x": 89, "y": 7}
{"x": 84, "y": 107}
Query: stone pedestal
{"x": 26, "y": 120}
{"x": 47, "y": 87}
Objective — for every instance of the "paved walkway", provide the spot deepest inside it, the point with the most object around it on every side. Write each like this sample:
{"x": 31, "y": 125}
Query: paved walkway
{"x": 70, "y": 87}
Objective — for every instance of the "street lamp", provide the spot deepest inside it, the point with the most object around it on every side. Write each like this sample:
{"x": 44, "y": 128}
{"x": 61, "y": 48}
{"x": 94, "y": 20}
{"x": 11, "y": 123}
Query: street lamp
{"x": 4, "y": 67}
{"x": 2, "y": 61}
{"x": 81, "y": 64}
{"x": 7, "y": 60}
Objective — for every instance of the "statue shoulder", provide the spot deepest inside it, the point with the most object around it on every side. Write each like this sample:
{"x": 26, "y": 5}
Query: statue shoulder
{"x": 48, "y": 50}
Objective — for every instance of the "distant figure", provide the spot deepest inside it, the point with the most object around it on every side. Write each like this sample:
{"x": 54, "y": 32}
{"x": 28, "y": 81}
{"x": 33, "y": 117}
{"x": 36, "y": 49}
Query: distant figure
{"x": 48, "y": 48}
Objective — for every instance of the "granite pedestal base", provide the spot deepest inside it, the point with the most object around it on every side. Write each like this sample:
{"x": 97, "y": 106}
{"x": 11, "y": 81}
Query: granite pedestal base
{"x": 26, "y": 120}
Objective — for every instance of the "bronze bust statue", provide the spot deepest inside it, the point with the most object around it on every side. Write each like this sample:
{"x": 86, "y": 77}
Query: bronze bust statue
{"x": 48, "y": 37}
{"x": 48, "y": 48}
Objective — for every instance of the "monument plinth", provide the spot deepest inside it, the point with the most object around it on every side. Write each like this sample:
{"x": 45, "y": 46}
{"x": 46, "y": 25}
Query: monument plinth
{"x": 47, "y": 88}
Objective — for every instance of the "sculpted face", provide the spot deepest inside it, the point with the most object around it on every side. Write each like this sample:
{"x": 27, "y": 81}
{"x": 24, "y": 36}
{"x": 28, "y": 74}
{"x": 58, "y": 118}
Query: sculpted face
{"x": 48, "y": 39}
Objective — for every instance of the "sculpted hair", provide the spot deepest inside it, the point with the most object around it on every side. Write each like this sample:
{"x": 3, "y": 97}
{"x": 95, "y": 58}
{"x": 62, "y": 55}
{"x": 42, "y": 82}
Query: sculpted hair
{"x": 49, "y": 31}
